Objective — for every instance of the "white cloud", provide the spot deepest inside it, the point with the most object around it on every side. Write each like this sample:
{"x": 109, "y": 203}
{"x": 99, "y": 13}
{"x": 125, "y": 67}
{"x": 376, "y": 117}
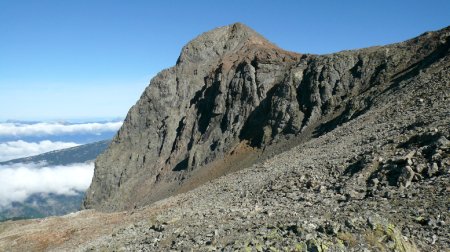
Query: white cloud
{"x": 17, "y": 149}
{"x": 19, "y": 181}
{"x": 20, "y": 129}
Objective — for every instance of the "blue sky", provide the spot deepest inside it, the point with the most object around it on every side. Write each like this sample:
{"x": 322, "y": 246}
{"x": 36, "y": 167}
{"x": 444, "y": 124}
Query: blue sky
{"x": 91, "y": 59}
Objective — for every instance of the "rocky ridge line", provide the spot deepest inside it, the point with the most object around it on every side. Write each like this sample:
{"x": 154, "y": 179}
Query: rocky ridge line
{"x": 231, "y": 88}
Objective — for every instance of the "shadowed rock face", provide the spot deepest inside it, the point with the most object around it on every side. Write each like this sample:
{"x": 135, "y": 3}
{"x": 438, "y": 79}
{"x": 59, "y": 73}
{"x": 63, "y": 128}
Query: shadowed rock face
{"x": 232, "y": 88}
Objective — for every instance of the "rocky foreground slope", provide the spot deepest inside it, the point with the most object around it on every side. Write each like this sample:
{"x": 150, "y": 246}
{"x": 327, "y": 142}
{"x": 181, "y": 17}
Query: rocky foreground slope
{"x": 345, "y": 152}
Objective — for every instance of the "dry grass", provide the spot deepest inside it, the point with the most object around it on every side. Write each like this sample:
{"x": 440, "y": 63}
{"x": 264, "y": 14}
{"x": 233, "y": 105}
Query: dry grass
{"x": 348, "y": 239}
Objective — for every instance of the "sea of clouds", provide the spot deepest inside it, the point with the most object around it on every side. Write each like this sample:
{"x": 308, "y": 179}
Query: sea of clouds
{"x": 21, "y": 139}
{"x": 44, "y": 128}
{"x": 19, "y": 181}
{"x": 29, "y": 139}
{"x": 18, "y": 149}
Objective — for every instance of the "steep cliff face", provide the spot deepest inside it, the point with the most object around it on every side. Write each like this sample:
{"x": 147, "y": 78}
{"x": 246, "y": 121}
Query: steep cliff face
{"x": 233, "y": 92}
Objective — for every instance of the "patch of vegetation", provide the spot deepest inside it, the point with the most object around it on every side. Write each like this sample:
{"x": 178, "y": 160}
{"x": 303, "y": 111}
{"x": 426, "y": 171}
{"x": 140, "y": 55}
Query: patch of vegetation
{"x": 388, "y": 238}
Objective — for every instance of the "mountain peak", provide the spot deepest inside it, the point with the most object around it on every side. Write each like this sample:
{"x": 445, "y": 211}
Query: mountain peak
{"x": 244, "y": 31}
{"x": 214, "y": 44}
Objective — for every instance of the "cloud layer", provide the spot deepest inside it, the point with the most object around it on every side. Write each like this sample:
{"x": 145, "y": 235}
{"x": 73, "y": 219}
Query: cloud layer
{"x": 20, "y": 129}
{"x": 19, "y": 181}
{"x": 17, "y": 149}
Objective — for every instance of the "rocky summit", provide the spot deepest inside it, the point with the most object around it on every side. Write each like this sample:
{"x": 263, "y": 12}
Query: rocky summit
{"x": 245, "y": 146}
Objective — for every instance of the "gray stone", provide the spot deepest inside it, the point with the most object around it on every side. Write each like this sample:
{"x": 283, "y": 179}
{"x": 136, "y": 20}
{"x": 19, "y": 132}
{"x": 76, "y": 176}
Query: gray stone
{"x": 420, "y": 168}
{"x": 406, "y": 177}
{"x": 432, "y": 169}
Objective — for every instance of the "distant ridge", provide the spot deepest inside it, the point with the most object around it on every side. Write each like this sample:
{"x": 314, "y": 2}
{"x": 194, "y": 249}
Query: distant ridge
{"x": 78, "y": 154}
{"x": 39, "y": 205}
